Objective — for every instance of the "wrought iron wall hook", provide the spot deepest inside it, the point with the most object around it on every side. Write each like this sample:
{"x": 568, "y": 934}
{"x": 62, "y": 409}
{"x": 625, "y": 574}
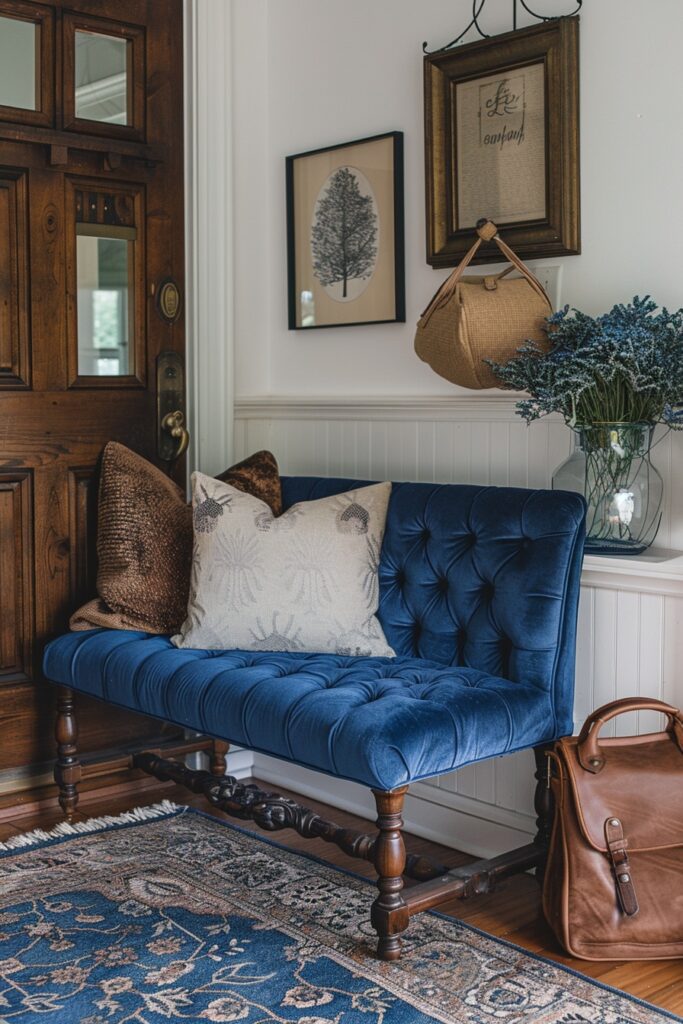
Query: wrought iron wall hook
{"x": 478, "y": 6}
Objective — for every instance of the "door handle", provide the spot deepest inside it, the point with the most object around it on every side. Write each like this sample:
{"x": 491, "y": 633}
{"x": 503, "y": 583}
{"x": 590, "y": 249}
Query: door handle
{"x": 174, "y": 424}
{"x": 172, "y": 435}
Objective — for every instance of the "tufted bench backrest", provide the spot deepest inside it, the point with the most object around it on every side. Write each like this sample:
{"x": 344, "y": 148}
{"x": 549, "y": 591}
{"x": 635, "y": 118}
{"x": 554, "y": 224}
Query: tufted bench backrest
{"x": 486, "y": 577}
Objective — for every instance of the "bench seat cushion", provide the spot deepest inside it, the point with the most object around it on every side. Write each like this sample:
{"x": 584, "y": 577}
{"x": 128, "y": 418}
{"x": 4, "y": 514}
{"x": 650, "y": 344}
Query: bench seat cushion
{"x": 383, "y": 722}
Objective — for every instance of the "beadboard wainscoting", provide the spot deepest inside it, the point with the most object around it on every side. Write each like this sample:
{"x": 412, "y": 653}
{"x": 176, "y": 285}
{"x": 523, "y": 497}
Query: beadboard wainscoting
{"x": 630, "y": 637}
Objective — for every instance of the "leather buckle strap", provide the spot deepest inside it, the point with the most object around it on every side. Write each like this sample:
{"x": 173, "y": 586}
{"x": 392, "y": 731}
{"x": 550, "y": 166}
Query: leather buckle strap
{"x": 617, "y": 845}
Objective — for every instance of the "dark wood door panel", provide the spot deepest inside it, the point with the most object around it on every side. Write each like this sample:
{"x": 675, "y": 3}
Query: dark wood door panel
{"x": 83, "y": 484}
{"x": 16, "y": 576}
{"x": 56, "y": 419}
{"x": 15, "y": 368}
{"x": 71, "y": 428}
{"x": 53, "y": 555}
{"x": 46, "y": 246}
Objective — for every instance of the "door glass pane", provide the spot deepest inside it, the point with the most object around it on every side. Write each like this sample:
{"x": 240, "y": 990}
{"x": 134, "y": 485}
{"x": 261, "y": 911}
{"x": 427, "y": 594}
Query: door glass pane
{"x": 101, "y": 78}
{"x": 19, "y": 63}
{"x": 105, "y": 303}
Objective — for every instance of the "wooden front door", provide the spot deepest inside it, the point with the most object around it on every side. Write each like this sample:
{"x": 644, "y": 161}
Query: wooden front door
{"x": 91, "y": 237}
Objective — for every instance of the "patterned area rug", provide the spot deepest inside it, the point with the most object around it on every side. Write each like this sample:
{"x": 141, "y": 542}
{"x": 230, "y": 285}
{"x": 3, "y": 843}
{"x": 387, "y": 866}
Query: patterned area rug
{"x": 166, "y": 914}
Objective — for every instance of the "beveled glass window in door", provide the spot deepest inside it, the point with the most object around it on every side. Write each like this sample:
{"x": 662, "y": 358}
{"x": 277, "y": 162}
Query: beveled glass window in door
{"x": 106, "y": 275}
{"x": 102, "y": 78}
{"x": 19, "y": 63}
{"x": 105, "y": 282}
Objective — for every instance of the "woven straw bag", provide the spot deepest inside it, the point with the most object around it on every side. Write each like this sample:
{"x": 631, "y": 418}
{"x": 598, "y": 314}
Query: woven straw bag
{"x": 474, "y": 318}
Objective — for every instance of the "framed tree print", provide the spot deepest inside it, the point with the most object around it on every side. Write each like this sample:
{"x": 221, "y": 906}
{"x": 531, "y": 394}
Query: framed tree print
{"x": 345, "y": 249}
{"x": 502, "y": 142}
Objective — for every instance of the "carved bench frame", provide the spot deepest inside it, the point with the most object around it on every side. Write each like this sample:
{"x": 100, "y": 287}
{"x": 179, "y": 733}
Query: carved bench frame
{"x": 394, "y": 905}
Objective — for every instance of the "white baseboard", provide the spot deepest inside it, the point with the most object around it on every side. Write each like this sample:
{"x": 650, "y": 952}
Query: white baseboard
{"x": 240, "y": 763}
{"x": 424, "y": 815}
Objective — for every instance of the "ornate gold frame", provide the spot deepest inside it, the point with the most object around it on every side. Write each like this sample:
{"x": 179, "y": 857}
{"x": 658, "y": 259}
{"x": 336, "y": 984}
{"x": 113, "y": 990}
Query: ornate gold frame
{"x": 554, "y": 43}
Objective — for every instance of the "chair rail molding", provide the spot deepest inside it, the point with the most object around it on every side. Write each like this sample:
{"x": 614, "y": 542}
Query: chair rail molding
{"x": 209, "y": 232}
{"x": 465, "y": 437}
{"x": 487, "y": 406}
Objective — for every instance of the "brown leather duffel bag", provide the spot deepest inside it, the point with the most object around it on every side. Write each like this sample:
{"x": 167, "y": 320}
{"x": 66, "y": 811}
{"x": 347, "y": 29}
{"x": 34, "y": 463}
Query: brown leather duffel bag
{"x": 613, "y": 885}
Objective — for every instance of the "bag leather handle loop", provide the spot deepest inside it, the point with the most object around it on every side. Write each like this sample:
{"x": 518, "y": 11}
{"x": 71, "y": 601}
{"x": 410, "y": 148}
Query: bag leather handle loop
{"x": 523, "y": 269}
{"x": 486, "y": 231}
{"x": 591, "y": 755}
{"x": 446, "y": 289}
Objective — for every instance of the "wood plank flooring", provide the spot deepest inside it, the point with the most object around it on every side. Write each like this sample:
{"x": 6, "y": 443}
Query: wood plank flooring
{"x": 513, "y": 912}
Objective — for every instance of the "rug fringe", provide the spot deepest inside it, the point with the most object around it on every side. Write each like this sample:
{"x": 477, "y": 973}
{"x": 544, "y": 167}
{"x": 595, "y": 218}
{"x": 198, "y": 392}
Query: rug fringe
{"x": 65, "y": 828}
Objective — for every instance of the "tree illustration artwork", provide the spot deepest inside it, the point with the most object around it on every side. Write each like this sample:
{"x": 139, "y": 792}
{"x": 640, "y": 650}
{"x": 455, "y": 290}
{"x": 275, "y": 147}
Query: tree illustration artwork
{"x": 344, "y": 232}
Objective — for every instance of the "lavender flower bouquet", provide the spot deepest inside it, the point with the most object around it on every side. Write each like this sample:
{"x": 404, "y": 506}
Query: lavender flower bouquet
{"x": 613, "y": 378}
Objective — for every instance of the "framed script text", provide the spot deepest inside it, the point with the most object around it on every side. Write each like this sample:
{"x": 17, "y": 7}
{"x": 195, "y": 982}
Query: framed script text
{"x": 502, "y": 142}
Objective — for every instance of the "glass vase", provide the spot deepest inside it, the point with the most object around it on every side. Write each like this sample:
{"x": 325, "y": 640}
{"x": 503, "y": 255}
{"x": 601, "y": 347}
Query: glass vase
{"x": 611, "y": 467}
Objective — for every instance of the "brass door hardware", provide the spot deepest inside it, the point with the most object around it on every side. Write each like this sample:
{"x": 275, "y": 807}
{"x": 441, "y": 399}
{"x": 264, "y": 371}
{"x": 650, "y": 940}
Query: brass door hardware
{"x": 174, "y": 423}
{"x": 172, "y": 435}
{"x": 168, "y": 300}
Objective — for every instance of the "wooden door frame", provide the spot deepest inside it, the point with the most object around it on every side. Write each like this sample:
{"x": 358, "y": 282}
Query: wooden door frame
{"x": 209, "y": 235}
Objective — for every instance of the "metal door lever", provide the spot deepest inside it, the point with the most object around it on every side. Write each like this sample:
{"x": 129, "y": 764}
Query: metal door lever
{"x": 174, "y": 424}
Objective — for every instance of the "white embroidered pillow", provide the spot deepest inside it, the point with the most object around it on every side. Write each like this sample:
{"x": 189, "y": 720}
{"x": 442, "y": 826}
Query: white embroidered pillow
{"x": 305, "y": 581}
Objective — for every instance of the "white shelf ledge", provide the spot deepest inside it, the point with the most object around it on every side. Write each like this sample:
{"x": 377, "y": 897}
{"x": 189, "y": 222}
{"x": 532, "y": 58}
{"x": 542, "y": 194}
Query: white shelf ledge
{"x": 656, "y": 571}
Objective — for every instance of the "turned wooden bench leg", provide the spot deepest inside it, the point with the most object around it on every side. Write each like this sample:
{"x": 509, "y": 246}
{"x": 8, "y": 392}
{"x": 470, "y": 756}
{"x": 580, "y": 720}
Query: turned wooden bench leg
{"x": 217, "y": 758}
{"x": 389, "y": 913}
{"x": 68, "y": 766}
{"x": 544, "y": 807}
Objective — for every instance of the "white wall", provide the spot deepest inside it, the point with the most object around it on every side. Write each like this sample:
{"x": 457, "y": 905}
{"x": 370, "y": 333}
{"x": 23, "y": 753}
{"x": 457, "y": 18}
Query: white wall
{"x": 357, "y": 401}
{"x": 311, "y": 73}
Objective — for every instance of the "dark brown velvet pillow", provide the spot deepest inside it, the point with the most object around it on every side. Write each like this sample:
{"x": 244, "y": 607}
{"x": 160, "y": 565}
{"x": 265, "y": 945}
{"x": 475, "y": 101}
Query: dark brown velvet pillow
{"x": 144, "y": 540}
{"x": 258, "y": 475}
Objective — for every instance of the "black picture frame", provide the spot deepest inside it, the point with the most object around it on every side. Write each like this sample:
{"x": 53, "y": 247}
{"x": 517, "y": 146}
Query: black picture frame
{"x": 388, "y": 298}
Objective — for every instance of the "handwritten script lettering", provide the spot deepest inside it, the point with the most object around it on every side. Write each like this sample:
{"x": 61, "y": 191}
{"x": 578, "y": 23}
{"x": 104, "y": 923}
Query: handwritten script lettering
{"x": 505, "y": 135}
{"x": 503, "y": 102}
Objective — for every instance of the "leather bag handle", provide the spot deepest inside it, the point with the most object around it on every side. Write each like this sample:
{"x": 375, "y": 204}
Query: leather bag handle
{"x": 591, "y": 755}
{"x": 523, "y": 269}
{"x": 486, "y": 231}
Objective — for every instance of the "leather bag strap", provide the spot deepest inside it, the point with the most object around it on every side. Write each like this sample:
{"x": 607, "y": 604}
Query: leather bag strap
{"x": 486, "y": 232}
{"x": 523, "y": 269}
{"x": 617, "y": 851}
{"x": 589, "y": 752}
{"x": 446, "y": 289}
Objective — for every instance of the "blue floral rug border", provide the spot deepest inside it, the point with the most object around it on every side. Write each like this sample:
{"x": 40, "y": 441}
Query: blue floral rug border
{"x": 141, "y": 816}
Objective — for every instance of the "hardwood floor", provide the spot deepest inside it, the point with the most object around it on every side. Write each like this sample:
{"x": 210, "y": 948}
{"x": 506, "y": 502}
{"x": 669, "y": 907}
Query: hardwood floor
{"x": 513, "y": 912}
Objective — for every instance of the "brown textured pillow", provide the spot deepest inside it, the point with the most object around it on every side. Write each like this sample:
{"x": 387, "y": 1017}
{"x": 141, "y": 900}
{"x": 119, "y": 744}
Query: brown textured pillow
{"x": 144, "y": 540}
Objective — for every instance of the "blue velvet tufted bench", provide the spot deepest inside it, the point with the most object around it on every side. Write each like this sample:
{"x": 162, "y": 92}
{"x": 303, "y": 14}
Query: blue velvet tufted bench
{"x": 478, "y": 597}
